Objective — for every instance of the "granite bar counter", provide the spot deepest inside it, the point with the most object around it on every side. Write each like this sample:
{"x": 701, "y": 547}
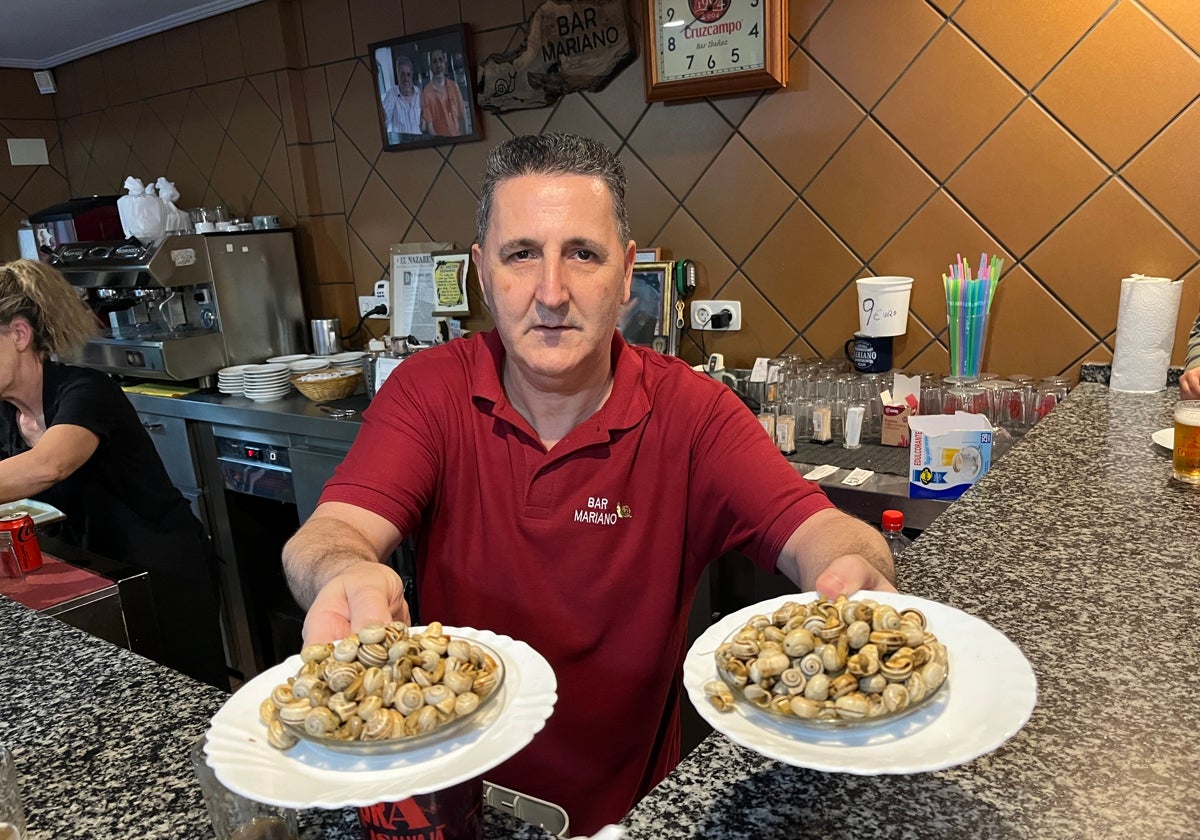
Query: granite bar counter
{"x": 1077, "y": 545}
{"x": 1081, "y": 549}
{"x": 100, "y": 736}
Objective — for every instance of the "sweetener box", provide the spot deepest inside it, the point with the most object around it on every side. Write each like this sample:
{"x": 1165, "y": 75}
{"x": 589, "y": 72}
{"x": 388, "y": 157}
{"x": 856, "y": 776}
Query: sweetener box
{"x": 947, "y": 454}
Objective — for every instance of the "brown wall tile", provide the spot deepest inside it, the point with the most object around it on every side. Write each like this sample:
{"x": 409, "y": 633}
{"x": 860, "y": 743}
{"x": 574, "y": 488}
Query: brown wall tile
{"x": 327, "y": 32}
{"x": 260, "y": 31}
{"x": 896, "y": 128}
{"x": 222, "y": 47}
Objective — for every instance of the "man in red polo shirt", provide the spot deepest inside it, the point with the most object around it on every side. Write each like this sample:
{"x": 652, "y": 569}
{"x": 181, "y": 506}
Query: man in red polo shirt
{"x": 566, "y": 488}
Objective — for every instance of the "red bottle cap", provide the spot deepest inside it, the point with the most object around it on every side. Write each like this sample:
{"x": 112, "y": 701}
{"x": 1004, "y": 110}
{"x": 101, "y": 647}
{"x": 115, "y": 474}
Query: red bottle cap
{"x": 893, "y": 520}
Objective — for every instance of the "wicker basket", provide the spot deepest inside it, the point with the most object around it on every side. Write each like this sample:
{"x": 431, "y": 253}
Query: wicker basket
{"x": 324, "y": 390}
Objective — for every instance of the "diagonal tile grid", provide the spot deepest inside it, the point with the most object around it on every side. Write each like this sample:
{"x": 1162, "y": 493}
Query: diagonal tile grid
{"x": 1058, "y": 135}
{"x": 908, "y": 172}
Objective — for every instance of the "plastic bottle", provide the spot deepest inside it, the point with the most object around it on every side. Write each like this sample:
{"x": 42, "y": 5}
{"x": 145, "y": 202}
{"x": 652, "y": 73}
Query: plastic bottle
{"x": 893, "y": 532}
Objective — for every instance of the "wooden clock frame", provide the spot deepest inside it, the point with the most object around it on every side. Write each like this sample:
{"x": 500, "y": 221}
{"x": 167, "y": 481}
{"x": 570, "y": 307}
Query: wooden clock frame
{"x": 774, "y": 73}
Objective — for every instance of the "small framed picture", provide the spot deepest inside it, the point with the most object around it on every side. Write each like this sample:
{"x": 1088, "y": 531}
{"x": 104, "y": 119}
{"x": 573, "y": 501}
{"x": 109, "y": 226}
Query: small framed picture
{"x": 450, "y": 272}
{"x": 648, "y": 318}
{"x": 648, "y": 255}
{"x": 424, "y": 89}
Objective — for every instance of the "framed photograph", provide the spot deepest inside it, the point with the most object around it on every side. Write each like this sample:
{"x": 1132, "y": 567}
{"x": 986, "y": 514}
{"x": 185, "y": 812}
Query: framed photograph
{"x": 649, "y": 255}
{"x": 424, "y": 89}
{"x": 648, "y": 319}
{"x": 697, "y": 48}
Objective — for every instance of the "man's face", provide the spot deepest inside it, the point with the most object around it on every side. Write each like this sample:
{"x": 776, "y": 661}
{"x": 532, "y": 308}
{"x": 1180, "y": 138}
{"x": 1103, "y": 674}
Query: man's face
{"x": 554, "y": 273}
{"x": 437, "y": 62}
{"x": 405, "y": 74}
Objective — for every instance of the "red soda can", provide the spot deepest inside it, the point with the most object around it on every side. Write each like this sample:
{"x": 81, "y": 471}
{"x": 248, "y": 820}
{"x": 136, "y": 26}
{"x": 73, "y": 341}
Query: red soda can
{"x": 455, "y": 813}
{"x": 24, "y": 537}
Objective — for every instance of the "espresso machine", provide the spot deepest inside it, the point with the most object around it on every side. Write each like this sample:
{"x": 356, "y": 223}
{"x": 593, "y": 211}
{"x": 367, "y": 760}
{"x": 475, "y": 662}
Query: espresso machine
{"x": 188, "y": 305}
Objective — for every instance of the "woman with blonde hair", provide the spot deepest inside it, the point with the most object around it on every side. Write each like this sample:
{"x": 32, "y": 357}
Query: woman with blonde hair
{"x": 69, "y": 437}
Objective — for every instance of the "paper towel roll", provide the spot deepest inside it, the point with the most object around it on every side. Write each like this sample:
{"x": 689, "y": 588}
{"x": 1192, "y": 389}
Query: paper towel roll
{"x": 1145, "y": 333}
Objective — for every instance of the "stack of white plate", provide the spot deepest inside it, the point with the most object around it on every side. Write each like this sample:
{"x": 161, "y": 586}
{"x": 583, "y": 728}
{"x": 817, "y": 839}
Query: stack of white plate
{"x": 284, "y": 360}
{"x": 229, "y": 380}
{"x": 264, "y": 383}
{"x": 350, "y": 359}
{"x": 308, "y": 364}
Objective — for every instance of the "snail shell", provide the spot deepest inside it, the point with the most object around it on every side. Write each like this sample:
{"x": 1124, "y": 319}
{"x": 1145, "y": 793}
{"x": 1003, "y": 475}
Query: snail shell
{"x": 817, "y": 687}
{"x": 296, "y": 711}
{"x": 798, "y": 642}
{"x": 719, "y": 695}
{"x": 346, "y": 650}
{"x": 456, "y": 679}
{"x": 858, "y": 634}
{"x": 842, "y": 685}
{"x": 885, "y": 617}
{"x": 372, "y": 655}
{"x": 409, "y": 699}
{"x": 895, "y": 697}
{"x": 372, "y": 634}
{"x": 369, "y": 706}
{"x": 853, "y": 705}
{"x": 315, "y": 653}
{"x": 282, "y": 695}
{"x": 811, "y": 665}
{"x": 440, "y": 697}
{"x": 279, "y": 738}
{"x": 468, "y": 702}
{"x": 394, "y": 631}
{"x": 793, "y": 678}
{"x": 321, "y": 721}
{"x": 425, "y": 720}
{"x": 804, "y": 707}
{"x": 872, "y": 684}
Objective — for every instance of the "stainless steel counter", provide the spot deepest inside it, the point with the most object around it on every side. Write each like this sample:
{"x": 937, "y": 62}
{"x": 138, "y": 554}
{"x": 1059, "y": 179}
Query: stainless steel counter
{"x": 293, "y": 415}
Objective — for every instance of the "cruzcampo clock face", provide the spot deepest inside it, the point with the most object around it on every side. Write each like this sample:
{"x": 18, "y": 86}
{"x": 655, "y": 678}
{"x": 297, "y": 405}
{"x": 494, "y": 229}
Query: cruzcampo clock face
{"x": 698, "y": 38}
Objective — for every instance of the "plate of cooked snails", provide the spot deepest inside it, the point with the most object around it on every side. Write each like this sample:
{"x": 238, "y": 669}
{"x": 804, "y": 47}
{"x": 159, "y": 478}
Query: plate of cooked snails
{"x": 876, "y": 683}
{"x": 327, "y": 729}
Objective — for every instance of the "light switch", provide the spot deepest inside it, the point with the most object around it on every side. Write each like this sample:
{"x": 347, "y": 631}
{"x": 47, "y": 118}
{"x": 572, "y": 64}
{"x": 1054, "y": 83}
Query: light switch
{"x": 27, "y": 151}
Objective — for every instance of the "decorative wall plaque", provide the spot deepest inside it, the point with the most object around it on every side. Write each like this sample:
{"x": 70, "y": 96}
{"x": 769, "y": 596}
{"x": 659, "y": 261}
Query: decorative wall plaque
{"x": 571, "y": 46}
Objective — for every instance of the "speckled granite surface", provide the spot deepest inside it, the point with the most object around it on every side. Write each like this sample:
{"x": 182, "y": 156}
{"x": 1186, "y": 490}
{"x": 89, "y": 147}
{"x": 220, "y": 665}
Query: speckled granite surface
{"x": 1077, "y": 545}
{"x": 100, "y": 737}
{"x": 1097, "y": 372}
{"x": 1082, "y": 550}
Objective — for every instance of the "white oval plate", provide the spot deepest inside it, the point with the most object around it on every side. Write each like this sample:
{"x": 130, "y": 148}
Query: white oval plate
{"x": 308, "y": 776}
{"x": 990, "y": 695}
{"x": 1165, "y": 438}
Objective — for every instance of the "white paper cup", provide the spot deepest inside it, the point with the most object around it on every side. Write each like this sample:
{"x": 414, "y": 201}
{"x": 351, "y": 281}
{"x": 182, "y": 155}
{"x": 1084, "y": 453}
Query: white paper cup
{"x": 883, "y": 305}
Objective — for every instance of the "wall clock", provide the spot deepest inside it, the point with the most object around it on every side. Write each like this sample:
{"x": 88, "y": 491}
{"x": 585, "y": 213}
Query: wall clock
{"x": 698, "y": 48}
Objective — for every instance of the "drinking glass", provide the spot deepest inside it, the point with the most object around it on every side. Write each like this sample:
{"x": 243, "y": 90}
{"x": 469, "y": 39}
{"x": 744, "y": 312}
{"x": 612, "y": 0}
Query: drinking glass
{"x": 1185, "y": 462}
{"x": 969, "y": 398}
{"x": 235, "y": 817}
{"x": 12, "y": 816}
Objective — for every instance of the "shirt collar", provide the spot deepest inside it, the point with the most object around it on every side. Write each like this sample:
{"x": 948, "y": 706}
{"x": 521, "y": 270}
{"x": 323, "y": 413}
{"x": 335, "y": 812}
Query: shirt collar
{"x": 625, "y": 407}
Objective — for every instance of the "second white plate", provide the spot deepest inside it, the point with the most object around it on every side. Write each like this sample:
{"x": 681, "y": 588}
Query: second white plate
{"x": 1164, "y": 438}
{"x": 990, "y": 696}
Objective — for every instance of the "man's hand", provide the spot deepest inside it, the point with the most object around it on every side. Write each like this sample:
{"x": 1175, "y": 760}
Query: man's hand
{"x": 1189, "y": 384}
{"x": 848, "y": 574}
{"x": 363, "y": 593}
{"x": 836, "y": 554}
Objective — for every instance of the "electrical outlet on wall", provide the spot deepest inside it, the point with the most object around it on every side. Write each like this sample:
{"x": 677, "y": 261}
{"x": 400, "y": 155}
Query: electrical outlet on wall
{"x": 366, "y": 304}
{"x": 728, "y": 315}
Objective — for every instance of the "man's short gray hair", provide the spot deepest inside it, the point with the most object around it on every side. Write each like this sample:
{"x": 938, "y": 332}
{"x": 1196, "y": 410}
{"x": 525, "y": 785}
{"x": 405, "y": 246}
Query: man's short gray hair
{"x": 553, "y": 154}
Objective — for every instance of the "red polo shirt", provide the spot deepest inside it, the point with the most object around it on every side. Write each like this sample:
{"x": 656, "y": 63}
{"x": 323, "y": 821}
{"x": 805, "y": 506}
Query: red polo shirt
{"x": 590, "y": 552}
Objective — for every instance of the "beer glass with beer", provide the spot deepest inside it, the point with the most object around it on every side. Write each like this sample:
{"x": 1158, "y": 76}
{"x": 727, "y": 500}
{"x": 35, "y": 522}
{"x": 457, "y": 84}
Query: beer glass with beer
{"x": 1186, "y": 461}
